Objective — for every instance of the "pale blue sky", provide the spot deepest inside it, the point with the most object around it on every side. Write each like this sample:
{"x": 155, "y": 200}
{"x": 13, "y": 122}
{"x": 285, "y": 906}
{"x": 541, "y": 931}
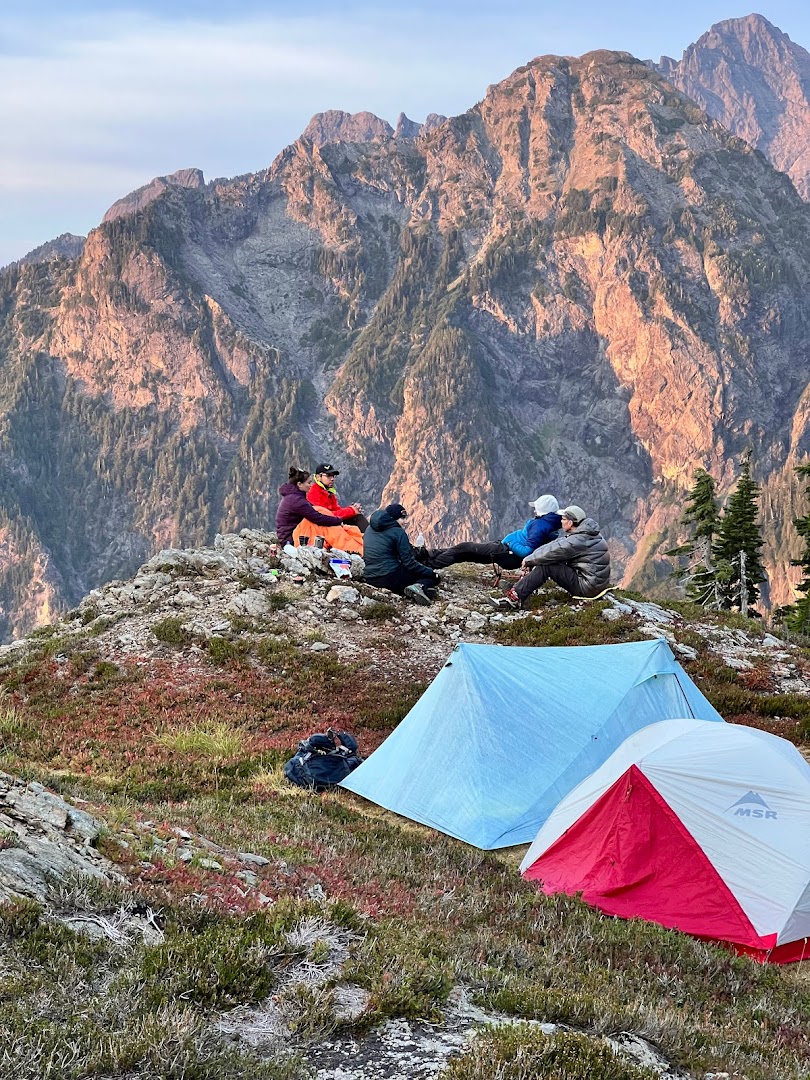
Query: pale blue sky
{"x": 98, "y": 96}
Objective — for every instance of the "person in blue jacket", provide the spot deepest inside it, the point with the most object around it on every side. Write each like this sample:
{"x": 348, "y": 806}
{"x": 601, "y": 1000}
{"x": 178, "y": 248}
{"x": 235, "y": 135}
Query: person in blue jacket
{"x": 509, "y": 553}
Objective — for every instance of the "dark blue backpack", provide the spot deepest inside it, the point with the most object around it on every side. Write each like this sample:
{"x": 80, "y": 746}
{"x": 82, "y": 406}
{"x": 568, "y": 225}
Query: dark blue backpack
{"x": 322, "y": 761}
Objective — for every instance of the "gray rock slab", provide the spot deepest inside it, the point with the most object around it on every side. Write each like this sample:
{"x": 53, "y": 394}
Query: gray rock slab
{"x": 344, "y": 594}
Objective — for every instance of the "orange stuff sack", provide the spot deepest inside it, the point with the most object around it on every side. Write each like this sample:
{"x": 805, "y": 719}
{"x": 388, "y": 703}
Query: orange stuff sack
{"x": 346, "y": 538}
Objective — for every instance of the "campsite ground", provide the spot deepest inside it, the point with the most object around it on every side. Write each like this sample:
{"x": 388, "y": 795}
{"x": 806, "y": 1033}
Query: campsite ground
{"x": 296, "y": 935}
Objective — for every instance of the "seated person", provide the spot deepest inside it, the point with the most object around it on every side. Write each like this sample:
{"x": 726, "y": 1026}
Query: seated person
{"x": 579, "y": 561}
{"x": 295, "y": 507}
{"x": 390, "y": 560}
{"x": 510, "y": 552}
{"x": 322, "y": 494}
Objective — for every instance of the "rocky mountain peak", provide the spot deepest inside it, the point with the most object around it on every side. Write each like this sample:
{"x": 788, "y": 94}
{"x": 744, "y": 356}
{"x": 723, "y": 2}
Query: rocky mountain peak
{"x": 66, "y": 246}
{"x": 406, "y": 128}
{"x": 334, "y": 125}
{"x": 750, "y": 76}
{"x": 582, "y": 282}
{"x": 143, "y": 196}
{"x": 433, "y": 120}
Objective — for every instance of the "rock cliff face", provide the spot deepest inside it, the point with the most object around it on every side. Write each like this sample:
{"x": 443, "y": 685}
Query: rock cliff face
{"x": 582, "y": 285}
{"x": 752, "y": 78}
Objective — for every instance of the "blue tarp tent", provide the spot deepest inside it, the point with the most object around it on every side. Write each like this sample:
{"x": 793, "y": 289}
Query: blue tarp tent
{"x": 502, "y": 734}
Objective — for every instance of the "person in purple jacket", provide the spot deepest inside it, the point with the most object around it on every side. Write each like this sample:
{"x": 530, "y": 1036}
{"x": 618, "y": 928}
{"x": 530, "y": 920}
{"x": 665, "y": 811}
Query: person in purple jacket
{"x": 295, "y": 506}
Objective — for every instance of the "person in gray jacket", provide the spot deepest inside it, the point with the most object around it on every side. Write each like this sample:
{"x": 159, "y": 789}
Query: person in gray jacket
{"x": 579, "y": 561}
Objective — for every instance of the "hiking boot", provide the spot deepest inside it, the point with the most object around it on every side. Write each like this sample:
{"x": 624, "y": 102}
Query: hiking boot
{"x": 510, "y": 601}
{"x": 417, "y": 594}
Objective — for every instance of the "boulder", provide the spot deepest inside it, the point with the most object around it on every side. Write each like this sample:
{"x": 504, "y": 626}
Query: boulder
{"x": 250, "y": 602}
{"x": 343, "y": 594}
{"x": 49, "y": 838}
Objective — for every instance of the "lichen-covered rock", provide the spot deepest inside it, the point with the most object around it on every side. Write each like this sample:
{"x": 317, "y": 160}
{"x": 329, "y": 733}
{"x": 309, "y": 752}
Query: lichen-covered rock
{"x": 45, "y": 837}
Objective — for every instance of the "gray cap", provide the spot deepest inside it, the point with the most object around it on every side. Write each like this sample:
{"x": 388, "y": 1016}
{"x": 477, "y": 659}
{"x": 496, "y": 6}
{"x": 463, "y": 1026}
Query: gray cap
{"x": 574, "y": 513}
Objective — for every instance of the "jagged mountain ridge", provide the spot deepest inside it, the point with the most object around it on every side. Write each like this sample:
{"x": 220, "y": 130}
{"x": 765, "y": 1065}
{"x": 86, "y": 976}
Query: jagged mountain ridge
{"x": 582, "y": 284}
{"x": 750, "y": 76}
{"x": 66, "y": 246}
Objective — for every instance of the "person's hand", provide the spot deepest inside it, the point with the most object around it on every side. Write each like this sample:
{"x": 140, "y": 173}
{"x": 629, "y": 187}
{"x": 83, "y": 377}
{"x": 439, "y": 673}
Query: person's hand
{"x": 358, "y": 509}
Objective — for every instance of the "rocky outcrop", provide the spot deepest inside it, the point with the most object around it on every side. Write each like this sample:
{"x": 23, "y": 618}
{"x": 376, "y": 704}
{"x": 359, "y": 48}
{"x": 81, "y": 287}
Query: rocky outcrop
{"x": 44, "y": 838}
{"x": 433, "y": 120}
{"x": 406, "y": 129}
{"x": 751, "y": 77}
{"x": 143, "y": 196}
{"x": 334, "y": 126}
{"x": 66, "y": 246}
{"x": 582, "y": 285}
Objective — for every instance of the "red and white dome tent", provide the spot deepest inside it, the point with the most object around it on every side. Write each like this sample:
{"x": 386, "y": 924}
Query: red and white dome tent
{"x": 698, "y": 826}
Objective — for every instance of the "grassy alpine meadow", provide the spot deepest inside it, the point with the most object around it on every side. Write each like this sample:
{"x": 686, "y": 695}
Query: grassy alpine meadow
{"x": 162, "y": 750}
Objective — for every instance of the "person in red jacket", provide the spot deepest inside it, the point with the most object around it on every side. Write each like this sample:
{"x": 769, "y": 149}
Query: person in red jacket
{"x": 295, "y": 508}
{"x": 323, "y": 495}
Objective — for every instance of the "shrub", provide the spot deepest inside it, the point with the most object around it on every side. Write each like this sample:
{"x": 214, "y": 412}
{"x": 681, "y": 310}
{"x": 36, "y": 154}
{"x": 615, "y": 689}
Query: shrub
{"x": 569, "y": 625}
{"x": 523, "y": 1052}
{"x": 171, "y": 631}
{"x": 231, "y": 962}
{"x": 222, "y": 650}
{"x": 378, "y": 611}
{"x": 105, "y": 672}
{"x": 89, "y": 613}
{"x": 270, "y": 650}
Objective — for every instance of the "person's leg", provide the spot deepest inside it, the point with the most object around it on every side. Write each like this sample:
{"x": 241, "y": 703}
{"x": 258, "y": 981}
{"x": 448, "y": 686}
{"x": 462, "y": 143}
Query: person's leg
{"x": 426, "y": 578}
{"x": 530, "y": 582}
{"x": 558, "y": 572}
{"x": 360, "y": 521}
{"x": 395, "y": 581}
{"x": 493, "y": 551}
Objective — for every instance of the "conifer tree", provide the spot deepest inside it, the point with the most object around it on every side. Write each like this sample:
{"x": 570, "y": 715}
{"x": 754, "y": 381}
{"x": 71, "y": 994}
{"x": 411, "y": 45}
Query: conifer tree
{"x": 699, "y": 574}
{"x": 797, "y": 616}
{"x": 739, "y": 539}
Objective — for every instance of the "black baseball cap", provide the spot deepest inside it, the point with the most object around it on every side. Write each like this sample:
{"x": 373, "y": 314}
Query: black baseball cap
{"x": 324, "y": 468}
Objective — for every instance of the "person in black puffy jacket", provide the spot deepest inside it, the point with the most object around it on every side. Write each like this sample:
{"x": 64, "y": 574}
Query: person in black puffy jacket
{"x": 390, "y": 559}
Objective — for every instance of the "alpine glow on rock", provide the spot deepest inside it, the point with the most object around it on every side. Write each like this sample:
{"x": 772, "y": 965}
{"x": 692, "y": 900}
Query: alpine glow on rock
{"x": 698, "y": 826}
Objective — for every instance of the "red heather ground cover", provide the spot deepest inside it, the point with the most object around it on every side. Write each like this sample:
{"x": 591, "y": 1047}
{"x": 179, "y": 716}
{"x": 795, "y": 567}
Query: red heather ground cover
{"x": 106, "y": 727}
